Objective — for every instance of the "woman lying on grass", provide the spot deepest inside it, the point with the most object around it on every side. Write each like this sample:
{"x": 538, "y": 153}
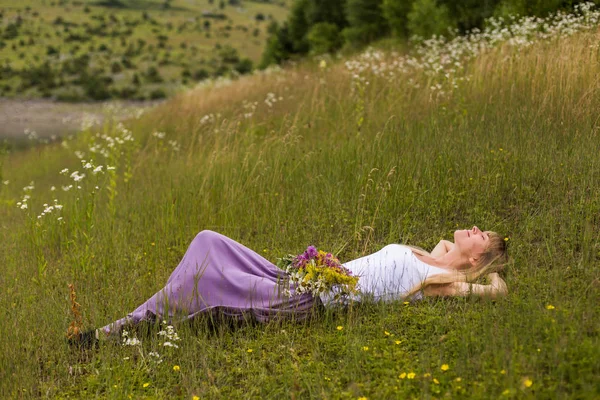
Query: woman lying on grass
{"x": 219, "y": 275}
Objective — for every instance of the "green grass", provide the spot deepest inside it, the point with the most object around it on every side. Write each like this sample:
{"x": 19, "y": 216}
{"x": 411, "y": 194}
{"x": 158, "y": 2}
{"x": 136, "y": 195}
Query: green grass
{"x": 514, "y": 150}
{"x": 189, "y": 45}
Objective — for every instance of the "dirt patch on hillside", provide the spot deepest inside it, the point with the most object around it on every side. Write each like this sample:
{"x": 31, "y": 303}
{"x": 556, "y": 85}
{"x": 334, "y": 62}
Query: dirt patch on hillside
{"x": 18, "y": 118}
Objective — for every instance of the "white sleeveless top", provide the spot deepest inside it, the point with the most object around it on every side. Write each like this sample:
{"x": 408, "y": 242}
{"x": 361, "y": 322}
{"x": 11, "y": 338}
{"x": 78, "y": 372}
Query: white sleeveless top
{"x": 388, "y": 274}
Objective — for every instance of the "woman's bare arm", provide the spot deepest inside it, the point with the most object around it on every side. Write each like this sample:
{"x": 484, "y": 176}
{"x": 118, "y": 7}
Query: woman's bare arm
{"x": 495, "y": 289}
{"x": 441, "y": 248}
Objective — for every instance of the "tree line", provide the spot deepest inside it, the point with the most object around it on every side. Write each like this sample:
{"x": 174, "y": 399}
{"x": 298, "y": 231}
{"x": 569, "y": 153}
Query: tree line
{"x": 324, "y": 26}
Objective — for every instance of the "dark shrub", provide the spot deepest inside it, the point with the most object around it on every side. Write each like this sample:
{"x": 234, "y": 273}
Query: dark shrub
{"x": 157, "y": 94}
{"x": 324, "y": 37}
{"x": 127, "y": 92}
{"x": 201, "y": 74}
{"x": 116, "y": 67}
{"x": 152, "y": 75}
{"x": 244, "y": 66}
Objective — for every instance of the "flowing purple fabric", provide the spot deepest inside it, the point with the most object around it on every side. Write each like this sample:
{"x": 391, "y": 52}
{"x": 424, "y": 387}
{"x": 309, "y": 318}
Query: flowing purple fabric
{"x": 218, "y": 274}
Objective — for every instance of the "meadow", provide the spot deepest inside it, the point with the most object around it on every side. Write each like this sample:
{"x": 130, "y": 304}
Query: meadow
{"x": 498, "y": 129}
{"x": 81, "y": 50}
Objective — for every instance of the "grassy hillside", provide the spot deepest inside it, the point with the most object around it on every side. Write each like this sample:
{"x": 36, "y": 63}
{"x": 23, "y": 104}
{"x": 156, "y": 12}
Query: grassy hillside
{"x": 128, "y": 49}
{"x": 499, "y": 130}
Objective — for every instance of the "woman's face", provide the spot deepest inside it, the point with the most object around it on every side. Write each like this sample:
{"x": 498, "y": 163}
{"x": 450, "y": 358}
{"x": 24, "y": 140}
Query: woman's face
{"x": 471, "y": 242}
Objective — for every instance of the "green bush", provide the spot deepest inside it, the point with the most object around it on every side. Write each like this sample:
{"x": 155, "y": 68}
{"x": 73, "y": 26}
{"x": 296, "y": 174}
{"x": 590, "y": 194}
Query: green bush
{"x": 324, "y": 37}
{"x": 201, "y": 74}
{"x": 469, "y": 14}
{"x": 396, "y": 14}
{"x": 157, "y": 94}
{"x": 530, "y": 7}
{"x": 279, "y": 46}
{"x": 152, "y": 75}
{"x": 427, "y": 18}
{"x": 244, "y": 66}
{"x": 229, "y": 54}
{"x": 116, "y": 67}
{"x": 41, "y": 76}
{"x": 127, "y": 92}
{"x": 366, "y": 21}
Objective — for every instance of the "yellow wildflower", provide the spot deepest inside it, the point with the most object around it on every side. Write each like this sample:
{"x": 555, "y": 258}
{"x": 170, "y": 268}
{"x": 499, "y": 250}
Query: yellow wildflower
{"x": 503, "y": 372}
{"x": 365, "y": 348}
{"x": 176, "y": 368}
{"x": 458, "y": 379}
{"x": 397, "y": 342}
{"x": 249, "y": 350}
{"x": 550, "y": 307}
{"x": 386, "y": 333}
{"x": 506, "y": 392}
{"x": 436, "y": 381}
{"x": 527, "y": 382}
{"x": 445, "y": 367}
{"x": 339, "y": 328}
{"x": 362, "y": 398}
{"x": 406, "y": 303}
{"x": 146, "y": 384}
{"x": 411, "y": 375}
{"x": 426, "y": 375}
{"x": 195, "y": 398}
{"x": 402, "y": 375}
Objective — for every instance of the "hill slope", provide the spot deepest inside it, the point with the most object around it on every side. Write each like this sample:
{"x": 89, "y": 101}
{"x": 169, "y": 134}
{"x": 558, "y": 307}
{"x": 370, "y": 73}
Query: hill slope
{"x": 128, "y": 49}
{"x": 350, "y": 157}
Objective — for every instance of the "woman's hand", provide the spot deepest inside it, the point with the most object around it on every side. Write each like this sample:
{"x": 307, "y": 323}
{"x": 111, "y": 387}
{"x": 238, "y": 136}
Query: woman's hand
{"x": 443, "y": 247}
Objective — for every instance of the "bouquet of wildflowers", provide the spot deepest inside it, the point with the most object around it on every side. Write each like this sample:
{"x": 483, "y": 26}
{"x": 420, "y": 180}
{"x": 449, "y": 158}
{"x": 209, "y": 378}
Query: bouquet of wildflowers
{"x": 316, "y": 271}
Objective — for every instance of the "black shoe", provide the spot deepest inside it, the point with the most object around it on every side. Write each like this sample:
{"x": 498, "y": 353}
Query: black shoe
{"x": 85, "y": 340}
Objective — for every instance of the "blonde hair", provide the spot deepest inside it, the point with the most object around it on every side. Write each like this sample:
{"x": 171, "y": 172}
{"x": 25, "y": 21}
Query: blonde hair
{"x": 493, "y": 259}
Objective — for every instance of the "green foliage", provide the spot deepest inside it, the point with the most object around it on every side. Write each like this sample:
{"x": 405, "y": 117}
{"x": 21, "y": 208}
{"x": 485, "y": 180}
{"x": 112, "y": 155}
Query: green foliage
{"x": 297, "y": 173}
{"x": 244, "y": 66}
{"x": 201, "y": 74}
{"x": 279, "y": 46}
{"x": 469, "y": 14}
{"x": 119, "y": 36}
{"x": 97, "y": 85}
{"x": 427, "y": 18}
{"x": 298, "y": 26}
{"x": 153, "y": 75}
{"x": 366, "y": 21}
{"x": 332, "y": 11}
{"x": 531, "y": 7}
{"x": 228, "y": 54}
{"x": 396, "y": 14}
{"x": 324, "y": 37}
{"x": 157, "y": 94}
{"x": 42, "y": 76}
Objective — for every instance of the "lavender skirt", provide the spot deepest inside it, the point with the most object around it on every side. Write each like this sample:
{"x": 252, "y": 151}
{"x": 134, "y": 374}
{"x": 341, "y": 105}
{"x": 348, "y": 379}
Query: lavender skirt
{"x": 219, "y": 275}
